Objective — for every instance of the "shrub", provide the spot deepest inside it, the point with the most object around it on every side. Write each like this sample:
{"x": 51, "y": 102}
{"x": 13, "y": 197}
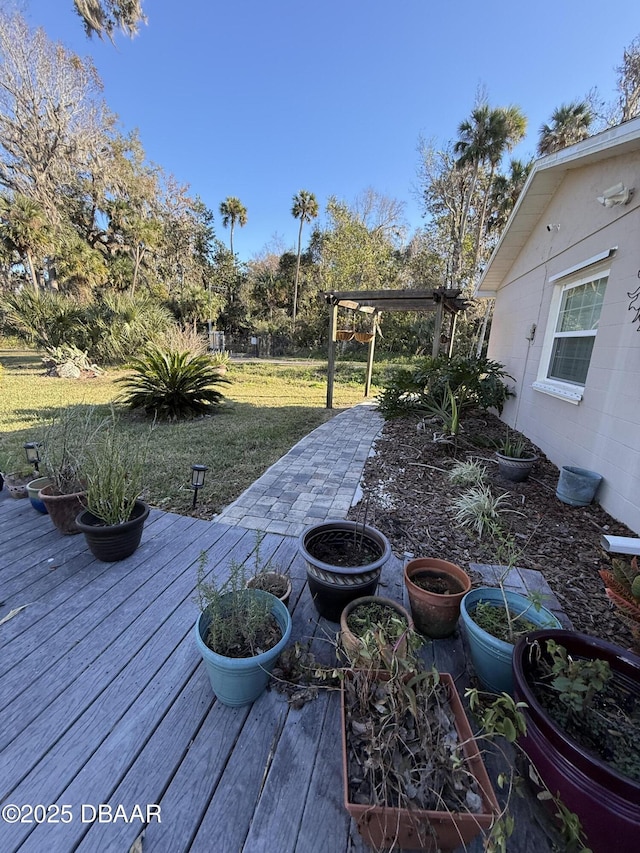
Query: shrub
{"x": 43, "y": 318}
{"x": 473, "y": 381}
{"x": 117, "y": 325}
{"x": 172, "y": 385}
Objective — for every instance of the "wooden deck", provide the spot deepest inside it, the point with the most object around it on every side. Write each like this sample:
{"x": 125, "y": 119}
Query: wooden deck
{"x": 103, "y": 700}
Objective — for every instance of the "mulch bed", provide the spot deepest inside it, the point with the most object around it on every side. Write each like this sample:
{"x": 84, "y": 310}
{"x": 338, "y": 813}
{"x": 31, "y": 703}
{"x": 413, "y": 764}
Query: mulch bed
{"x": 409, "y": 499}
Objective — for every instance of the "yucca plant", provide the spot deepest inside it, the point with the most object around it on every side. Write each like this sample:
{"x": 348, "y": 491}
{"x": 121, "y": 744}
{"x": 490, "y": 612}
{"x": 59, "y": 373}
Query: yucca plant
{"x": 172, "y": 385}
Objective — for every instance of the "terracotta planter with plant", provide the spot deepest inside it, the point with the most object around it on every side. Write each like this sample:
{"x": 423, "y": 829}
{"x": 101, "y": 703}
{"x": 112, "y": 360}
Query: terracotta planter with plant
{"x": 382, "y": 620}
{"x": 395, "y": 733}
{"x": 64, "y": 452}
{"x": 269, "y": 578}
{"x": 435, "y": 589}
{"x": 582, "y": 711}
{"x": 344, "y": 560}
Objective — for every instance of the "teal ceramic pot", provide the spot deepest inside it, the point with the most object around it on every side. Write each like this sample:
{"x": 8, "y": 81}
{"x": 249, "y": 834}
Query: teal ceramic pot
{"x": 33, "y": 491}
{"x": 239, "y": 681}
{"x": 492, "y": 658}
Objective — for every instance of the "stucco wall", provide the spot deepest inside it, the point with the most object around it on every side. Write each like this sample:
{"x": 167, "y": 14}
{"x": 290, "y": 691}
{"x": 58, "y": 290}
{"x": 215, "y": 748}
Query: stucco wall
{"x": 602, "y": 432}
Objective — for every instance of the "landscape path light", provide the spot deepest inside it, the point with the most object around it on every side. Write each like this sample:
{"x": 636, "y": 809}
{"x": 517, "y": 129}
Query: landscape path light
{"x": 197, "y": 480}
{"x": 32, "y": 450}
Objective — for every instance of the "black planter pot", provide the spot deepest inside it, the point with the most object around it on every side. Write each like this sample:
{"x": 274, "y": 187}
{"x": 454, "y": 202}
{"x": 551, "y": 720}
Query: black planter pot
{"x": 333, "y": 586}
{"x": 110, "y": 543}
{"x": 515, "y": 469}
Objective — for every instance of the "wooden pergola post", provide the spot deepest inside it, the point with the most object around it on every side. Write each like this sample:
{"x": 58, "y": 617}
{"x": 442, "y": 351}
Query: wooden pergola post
{"x": 437, "y": 329}
{"x": 372, "y": 345}
{"x": 331, "y": 361}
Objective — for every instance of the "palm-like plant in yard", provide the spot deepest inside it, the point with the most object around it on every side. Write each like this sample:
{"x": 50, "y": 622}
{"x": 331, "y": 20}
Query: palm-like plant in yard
{"x": 570, "y": 123}
{"x": 305, "y": 208}
{"x": 172, "y": 385}
{"x": 232, "y": 210}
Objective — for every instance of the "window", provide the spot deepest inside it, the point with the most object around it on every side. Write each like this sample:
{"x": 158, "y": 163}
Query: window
{"x": 575, "y": 331}
{"x": 573, "y": 325}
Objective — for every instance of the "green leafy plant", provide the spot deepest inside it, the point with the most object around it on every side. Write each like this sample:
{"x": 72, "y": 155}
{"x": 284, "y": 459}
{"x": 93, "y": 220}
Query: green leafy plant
{"x": 480, "y": 510}
{"x": 115, "y": 469}
{"x": 472, "y": 381}
{"x": 172, "y": 385}
{"x": 467, "y": 473}
{"x": 515, "y": 448}
{"x": 58, "y": 358}
{"x": 240, "y": 620}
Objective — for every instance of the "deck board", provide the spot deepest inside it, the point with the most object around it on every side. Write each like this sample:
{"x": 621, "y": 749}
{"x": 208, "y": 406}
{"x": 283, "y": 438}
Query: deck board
{"x": 103, "y": 699}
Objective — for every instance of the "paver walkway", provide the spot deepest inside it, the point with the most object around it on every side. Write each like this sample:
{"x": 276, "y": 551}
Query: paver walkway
{"x": 317, "y": 479}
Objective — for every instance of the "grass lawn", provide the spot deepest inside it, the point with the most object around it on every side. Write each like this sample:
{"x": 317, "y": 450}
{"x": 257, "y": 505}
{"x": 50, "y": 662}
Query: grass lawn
{"x": 268, "y": 408}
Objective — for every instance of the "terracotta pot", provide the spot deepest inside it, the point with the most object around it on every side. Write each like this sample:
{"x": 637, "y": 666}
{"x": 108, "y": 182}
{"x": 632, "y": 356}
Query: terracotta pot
{"x": 253, "y": 583}
{"x": 352, "y": 644}
{"x": 386, "y": 827}
{"x": 63, "y": 509}
{"x": 17, "y": 485}
{"x": 607, "y": 803}
{"x": 436, "y": 614}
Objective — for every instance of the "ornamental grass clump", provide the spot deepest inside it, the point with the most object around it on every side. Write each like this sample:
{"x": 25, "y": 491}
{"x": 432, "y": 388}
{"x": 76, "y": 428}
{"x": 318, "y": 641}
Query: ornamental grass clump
{"x": 115, "y": 471}
{"x": 172, "y": 385}
{"x": 66, "y": 446}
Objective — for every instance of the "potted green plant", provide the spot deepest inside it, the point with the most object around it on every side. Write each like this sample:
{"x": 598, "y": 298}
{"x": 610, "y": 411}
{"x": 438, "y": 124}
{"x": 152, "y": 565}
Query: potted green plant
{"x": 240, "y": 633}
{"x": 582, "y": 713}
{"x": 113, "y": 520}
{"x": 515, "y": 458}
{"x": 390, "y": 623}
{"x": 66, "y": 443}
{"x": 267, "y": 577}
{"x": 344, "y": 559}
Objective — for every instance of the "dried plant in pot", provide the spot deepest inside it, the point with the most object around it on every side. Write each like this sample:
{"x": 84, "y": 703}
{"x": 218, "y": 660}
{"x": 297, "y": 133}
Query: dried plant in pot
{"x": 413, "y": 775}
{"x": 67, "y": 441}
{"x": 114, "y": 518}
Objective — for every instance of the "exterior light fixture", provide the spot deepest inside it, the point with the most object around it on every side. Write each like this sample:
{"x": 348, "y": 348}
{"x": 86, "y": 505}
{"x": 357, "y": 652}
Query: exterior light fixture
{"x": 31, "y": 448}
{"x": 617, "y": 194}
{"x": 197, "y": 480}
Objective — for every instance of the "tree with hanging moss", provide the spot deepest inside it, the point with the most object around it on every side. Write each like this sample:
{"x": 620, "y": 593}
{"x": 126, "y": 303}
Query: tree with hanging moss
{"x": 104, "y": 17}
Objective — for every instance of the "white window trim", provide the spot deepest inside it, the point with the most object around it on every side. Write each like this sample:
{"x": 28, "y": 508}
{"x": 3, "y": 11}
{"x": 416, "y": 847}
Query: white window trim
{"x": 573, "y": 277}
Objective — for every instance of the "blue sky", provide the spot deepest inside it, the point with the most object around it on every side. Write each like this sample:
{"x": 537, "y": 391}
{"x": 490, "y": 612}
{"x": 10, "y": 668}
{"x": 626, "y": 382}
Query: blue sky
{"x": 261, "y": 98}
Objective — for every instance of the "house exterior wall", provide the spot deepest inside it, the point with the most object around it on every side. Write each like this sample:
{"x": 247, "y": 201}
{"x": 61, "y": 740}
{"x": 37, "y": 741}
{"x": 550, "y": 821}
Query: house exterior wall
{"x": 602, "y": 431}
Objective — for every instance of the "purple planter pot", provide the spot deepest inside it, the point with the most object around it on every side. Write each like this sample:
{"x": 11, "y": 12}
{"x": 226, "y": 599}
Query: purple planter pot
{"x": 607, "y": 803}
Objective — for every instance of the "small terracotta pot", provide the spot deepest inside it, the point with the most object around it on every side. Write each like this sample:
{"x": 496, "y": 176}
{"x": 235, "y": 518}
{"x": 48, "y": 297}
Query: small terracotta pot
{"x": 352, "y": 643}
{"x": 284, "y": 598}
{"x": 436, "y": 614}
{"x": 63, "y": 509}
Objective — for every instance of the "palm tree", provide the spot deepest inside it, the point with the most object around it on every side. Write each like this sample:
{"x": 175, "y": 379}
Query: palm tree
{"x": 233, "y": 210}
{"x": 570, "y": 123}
{"x": 483, "y": 140}
{"x": 305, "y": 208}
{"x": 505, "y": 192}
{"x": 24, "y": 229}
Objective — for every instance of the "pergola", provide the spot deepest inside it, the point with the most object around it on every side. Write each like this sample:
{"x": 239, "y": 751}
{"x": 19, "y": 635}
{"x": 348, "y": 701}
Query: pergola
{"x": 376, "y": 302}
